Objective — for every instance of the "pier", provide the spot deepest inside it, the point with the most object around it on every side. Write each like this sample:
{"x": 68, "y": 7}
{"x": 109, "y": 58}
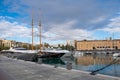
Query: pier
{"x": 16, "y": 69}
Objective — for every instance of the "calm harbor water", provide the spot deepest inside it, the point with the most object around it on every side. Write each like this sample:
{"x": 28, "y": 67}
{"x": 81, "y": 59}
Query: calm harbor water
{"x": 88, "y": 63}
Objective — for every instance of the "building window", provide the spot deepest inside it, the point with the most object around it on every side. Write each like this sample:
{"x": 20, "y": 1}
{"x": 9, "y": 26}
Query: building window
{"x": 116, "y": 47}
{"x": 94, "y": 48}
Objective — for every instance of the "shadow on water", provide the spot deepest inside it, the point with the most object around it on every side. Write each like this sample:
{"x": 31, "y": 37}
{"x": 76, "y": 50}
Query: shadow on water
{"x": 51, "y": 61}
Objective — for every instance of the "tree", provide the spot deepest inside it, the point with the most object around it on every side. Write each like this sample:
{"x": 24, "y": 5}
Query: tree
{"x": 25, "y": 46}
{"x": 1, "y": 48}
{"x": 46, "y": 45}
{"x": 59, "y": 45}
{"x": 62, "y": 47}
{"x": 4, "y": 48}
{"x": 69, "y": 47}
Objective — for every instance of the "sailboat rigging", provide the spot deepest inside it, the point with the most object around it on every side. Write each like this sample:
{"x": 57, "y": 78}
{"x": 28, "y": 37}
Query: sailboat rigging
{"x": 49, "y": 52}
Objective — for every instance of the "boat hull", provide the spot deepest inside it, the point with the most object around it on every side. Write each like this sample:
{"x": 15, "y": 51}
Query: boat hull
{"x": 49, "y": 55}
{"x": 20, "y": 55}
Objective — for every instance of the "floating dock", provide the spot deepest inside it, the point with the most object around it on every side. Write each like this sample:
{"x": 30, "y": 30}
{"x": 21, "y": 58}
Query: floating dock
{"x": 13, "y": 69}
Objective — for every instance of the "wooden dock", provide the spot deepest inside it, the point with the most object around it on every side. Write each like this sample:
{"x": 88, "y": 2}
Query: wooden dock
{"x": 25, "y": 70}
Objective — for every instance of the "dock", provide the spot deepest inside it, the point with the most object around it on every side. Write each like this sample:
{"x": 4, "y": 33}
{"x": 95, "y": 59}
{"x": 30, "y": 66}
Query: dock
{"x": 14, "y": 69}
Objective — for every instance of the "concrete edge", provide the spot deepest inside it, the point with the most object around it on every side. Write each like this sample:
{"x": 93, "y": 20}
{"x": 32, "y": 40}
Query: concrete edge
{"x": 51, "y": 66}
{"x": 114, "y": 77}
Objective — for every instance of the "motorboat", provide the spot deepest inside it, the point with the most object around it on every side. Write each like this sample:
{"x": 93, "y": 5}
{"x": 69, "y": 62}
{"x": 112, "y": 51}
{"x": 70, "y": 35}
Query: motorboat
{"x": 52, "y": 53}
{"x": 20, "y": 50}
{"x": 20, "y": 53}
{"x": 78, "y": 54}
{"x": 45, "y": 53}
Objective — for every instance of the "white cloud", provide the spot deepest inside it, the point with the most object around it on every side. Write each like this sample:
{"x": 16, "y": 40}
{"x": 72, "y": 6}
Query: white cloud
{"x": 58, "y": 31}
{"x": 5, "y": 17}
{"x": 66, "y": 31}
{"x": 13, "y": 29}
{"x": 98, "y": 19}
{"x": 113, "y": 26}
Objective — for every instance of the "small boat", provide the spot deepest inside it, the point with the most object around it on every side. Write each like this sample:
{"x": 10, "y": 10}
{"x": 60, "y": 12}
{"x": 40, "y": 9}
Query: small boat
{"x": 78, "y": 54}
{"x": 116, "y": 55}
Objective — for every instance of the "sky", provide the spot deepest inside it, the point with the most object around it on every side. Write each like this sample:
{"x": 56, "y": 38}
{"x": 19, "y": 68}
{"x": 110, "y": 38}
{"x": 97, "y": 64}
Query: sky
{"x": 61, "y": 20}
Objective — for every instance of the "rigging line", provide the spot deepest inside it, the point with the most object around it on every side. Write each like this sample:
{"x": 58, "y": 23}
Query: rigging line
{"x": 113, "y": 62}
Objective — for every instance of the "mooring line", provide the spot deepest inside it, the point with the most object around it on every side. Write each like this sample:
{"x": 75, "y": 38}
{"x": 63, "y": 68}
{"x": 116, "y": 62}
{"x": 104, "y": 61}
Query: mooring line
{"x": 113, "y": 62}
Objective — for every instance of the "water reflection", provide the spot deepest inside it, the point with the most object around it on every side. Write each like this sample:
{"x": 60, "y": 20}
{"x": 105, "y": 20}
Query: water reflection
{"x": 91, "y": 60}
{"x": 87, "y": 63}
{"x": 110, "y": 65}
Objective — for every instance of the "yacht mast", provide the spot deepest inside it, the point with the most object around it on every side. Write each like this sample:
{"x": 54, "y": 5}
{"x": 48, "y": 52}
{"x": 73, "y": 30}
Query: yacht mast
{"x": 32, "y": 33}
{"x": 40, "y": 30}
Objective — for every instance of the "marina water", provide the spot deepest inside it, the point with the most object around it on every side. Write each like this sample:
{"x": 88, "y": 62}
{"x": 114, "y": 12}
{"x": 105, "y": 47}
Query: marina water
{"x": 87, "y": 63}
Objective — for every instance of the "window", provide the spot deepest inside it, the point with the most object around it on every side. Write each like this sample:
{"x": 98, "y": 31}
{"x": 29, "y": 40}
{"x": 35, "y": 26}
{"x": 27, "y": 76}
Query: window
{"x": 94, "y": 48}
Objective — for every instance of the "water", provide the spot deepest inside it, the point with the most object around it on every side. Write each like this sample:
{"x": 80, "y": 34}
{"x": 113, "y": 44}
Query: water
{"x": 88, "y": 63}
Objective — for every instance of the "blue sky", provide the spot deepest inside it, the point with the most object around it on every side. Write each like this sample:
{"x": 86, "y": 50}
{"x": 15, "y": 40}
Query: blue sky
{"x": 62, "y": 20}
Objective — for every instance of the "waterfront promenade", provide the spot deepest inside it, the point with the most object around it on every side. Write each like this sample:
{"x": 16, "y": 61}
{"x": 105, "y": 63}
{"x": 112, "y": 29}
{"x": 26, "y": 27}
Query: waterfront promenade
{"x": 13, "y": 69}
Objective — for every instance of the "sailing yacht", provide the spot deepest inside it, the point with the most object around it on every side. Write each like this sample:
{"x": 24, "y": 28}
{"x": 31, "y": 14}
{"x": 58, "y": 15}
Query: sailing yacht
{"x": 46, "y": 53}
{"x": 49, "y": 52}
{"x": 52, "y": 53}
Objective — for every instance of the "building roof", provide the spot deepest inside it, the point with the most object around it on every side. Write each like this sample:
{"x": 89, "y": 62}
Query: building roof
{"x": 97, "y": 40}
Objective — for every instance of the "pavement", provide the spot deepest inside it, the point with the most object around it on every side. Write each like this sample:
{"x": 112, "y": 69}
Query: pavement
{"x": 13, "y": 69}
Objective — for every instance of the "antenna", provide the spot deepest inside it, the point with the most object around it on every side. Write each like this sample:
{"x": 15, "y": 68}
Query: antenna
{"x": 113, "y": 41}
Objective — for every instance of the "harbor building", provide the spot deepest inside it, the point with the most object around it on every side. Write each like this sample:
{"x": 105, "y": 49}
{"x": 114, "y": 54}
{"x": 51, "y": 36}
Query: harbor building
{"x": 5, "y": 43}
{"x": 97, "y": 44}
{"x": 12, "y": 43}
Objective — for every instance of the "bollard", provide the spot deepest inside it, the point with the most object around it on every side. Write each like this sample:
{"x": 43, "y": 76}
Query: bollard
{"x": 56, "y": 65}
{"x": 39, "y": 60}
{"x": 69, "y": 65}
